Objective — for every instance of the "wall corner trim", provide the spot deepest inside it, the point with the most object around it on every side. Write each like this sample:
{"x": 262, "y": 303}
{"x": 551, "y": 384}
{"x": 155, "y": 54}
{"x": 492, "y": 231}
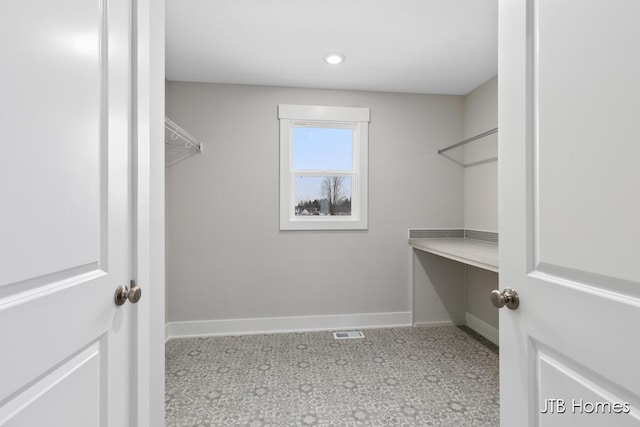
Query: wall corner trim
{"x": 273, "y": 325}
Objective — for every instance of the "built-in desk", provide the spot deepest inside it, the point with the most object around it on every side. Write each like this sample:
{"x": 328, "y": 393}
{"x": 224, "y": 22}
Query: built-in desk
{"x": 440, "y": 260}
{"x": 478, "y": 253}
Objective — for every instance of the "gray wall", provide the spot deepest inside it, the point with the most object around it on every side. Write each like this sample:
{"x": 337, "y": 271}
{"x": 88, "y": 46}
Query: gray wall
{"x": 481, "y": 191}
{"x": 227, "y": 259}
{"x": 481, "y": 181}
{"x": 480, "y": 283}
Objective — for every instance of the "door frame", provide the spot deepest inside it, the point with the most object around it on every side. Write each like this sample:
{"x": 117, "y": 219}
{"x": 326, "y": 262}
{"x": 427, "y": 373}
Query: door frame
{"x": 148, "y": 30}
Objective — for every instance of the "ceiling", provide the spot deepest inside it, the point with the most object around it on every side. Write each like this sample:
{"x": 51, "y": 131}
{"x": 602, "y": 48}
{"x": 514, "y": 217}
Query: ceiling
{"x": 414, "y": 46}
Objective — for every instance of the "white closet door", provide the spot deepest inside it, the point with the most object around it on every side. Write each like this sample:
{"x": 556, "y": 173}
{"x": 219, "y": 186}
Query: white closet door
{"x": 65, "y": 220}
{"x": 569, "y": 208}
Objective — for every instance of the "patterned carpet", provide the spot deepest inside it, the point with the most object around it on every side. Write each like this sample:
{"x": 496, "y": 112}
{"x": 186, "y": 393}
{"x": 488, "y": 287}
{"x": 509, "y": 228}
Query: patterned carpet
{"x": 444, "y": 376}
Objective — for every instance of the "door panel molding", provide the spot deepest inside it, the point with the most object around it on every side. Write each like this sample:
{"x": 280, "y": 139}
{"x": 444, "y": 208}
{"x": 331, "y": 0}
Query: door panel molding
{"x": 550, "y": 366}
{"x": 531, "y": 134}
{"x": 58, "y": 183}
{"x": 48, "y": 283}
{"x": 72, "y": 378}
{"x": 565, "y": 197}
{"x": 627, "y": 291}
{"x": 60, "y": 333}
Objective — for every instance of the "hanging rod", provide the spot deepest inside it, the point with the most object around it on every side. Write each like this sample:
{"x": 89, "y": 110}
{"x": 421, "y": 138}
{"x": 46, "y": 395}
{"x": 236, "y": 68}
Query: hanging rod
{"x": 468, "y": 140}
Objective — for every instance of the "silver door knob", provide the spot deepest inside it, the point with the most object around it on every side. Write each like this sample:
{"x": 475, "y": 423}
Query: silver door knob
{"x": 507, "y": 297}
{"x": 124, "y": 293}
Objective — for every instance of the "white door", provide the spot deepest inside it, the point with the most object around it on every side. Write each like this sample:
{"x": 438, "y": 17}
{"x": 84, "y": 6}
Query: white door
{"x": 65, "y": 216}
{"x": 569, "y": 110}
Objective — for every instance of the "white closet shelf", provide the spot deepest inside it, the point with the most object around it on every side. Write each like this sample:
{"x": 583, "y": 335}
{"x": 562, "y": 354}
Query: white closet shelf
{"x": 478, "y": 253}
{"x": 179, "y": 144}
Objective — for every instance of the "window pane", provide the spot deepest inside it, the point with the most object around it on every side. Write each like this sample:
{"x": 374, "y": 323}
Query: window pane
{"x": 322, "y": 149}
{"x": 322, "y": 195}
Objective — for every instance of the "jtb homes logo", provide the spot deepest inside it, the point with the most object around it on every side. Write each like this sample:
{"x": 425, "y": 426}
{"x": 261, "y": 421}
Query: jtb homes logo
{"x": 581, "y": 406}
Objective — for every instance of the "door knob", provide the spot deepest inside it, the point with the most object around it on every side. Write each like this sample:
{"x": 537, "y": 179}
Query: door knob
{"x": 507, "y": 297}
{"x": 132, "y": 294}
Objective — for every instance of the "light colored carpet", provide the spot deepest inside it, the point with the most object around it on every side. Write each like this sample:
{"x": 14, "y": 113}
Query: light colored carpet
{"x": 443, "y": 376}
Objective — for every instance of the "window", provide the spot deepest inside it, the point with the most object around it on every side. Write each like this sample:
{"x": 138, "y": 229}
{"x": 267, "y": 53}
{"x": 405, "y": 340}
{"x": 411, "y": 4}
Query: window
{"x": 323, "y": 167}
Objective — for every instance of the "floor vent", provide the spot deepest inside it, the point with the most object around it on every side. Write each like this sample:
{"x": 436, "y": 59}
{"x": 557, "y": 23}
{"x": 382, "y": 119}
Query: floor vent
{"x": 347, "y": 335}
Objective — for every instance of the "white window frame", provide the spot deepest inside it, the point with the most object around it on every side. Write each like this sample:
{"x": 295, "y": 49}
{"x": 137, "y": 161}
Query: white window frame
{"x": 355, "y": 118}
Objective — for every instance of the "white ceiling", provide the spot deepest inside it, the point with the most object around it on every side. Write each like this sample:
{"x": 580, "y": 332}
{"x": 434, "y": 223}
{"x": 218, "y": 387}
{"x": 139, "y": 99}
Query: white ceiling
{"x": 415, "y": 46}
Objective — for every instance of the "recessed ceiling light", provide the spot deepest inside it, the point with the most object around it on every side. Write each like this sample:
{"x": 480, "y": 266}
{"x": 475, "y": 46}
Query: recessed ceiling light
{"x": 334, "y": 58}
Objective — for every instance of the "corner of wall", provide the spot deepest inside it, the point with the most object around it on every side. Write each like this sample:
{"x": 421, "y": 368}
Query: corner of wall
{"x": 481, "y": 200}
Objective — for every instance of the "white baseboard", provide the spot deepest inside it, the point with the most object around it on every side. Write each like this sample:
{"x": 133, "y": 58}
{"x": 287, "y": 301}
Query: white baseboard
{"x": 483, "y": 328}
{"x": 271, "y": 325}
{"x": 432, "y": 324}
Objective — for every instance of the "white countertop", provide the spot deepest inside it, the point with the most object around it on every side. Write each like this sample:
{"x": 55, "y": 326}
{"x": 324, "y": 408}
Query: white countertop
{"x": 478, "y": 253}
